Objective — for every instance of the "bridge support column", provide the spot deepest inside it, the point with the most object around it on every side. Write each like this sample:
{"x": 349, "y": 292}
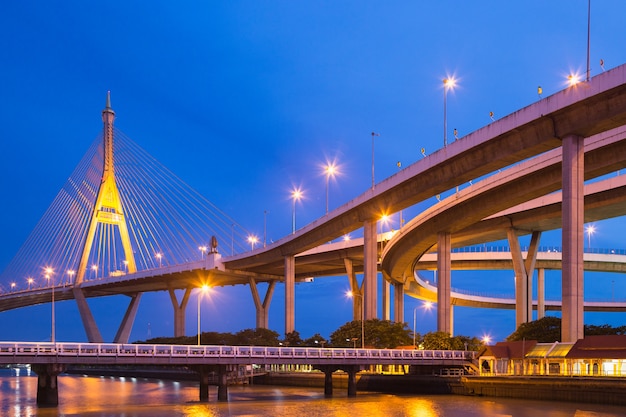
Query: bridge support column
{"x": 370, "y": 269}
{"x": 357, "y": 291}
{"x": 47, "y": 386}
{"x": 524, "y": 270}
{"x": 541, "y": 294}
{"x": 573, "y": 172}
{"x": 123, "y": 333}
{"x": 352, "y": 371}
{"x": 89, "y": 323}
{"x": 179, "y": 311}
{"x": 262, "y": 309}
{"x": 203, "y": 373}
{"x": 398, "y": 303}
{"x": 222, "y": 383}
{"x": 290, "y": 294}
{"x": 444, "y": 266}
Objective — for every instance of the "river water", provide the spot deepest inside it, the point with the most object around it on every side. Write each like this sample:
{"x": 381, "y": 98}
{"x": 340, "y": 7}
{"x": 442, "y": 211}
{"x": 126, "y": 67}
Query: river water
{"x": 130, "y": 397}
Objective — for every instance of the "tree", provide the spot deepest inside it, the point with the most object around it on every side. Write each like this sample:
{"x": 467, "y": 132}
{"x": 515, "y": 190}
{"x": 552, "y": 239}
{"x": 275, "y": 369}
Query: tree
{"x": 380, "y": 334}
{"x": 544, "y": 330}
{"x": 315, "y": 341}
{"x": 292, "y": 339}
{"x": 443, "y": 341}
{"x": 256, "y": 337}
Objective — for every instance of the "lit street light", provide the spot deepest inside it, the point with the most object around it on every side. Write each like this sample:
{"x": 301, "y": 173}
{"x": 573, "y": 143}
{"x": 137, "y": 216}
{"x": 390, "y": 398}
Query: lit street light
{"x": 159, "y": 257}
{"x": 94, "y": 268}
{"x": 448, "y": 83}
{"x": 590, "y": 229}
{"x": 352, "y": 294}
{"x": 202, "y": 290}
{"x": 252, "y": 240}
{"x": 330, "y": 169}
{"x": 30, "y": 282}
{"x": 203, "y": 250}
{"x": 296, "y": 195}
{"x": 49, "y": 271}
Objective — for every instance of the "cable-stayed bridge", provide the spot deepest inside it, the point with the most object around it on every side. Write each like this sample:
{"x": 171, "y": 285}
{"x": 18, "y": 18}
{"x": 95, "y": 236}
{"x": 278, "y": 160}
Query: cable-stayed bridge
{"x": 123, "y": 219}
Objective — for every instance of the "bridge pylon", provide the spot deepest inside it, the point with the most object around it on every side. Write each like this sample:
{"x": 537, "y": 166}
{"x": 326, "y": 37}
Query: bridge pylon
{"x": 107, "y": 210}
{"x": 108, "y": 206}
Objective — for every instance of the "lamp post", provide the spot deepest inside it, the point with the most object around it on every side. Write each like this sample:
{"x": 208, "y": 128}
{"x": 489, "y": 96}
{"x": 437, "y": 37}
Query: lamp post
{"x": 590, "y": 229}
{"x": 373, "y": 134}
{"x": 49, "y": 271}
{"x": 30, "y": 282}
{"x": 202, "y": 289}
{"x": 159, "y": 256}
{"x": 203, "y": 250}
{"x": 448, "y": 83}
{"x": 296, "y": 195}
{"x": 414, "y": 325}
{"x": 352, "y": 295}
{"x": 330, "y": 169}
{"x": 252, "y": 240}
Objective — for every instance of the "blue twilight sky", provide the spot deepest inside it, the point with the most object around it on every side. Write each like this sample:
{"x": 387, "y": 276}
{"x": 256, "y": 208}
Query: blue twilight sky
{"x": 245, "y": 99}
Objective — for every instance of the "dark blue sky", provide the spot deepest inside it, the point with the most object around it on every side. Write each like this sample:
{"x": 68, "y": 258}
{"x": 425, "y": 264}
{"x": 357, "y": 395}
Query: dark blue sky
{"x": 243, "y": 100}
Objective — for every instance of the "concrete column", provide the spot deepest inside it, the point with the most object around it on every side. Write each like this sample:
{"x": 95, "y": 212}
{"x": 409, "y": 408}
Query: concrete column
{"x": 386, "y": 300}
{"x": 290, "y": 294}
{"x": 541, "y": 294}
{"x": 47, "y": 384}
{"x": 123, "y": 333}
{"x": 179, "y": 311}
{"x": 222, "y": 383}
{"x": 370, "y": 269}
{"x": 203, "y": 374}
{"x": 521, "y": 279}
{"x": 89, "y": 323}
{"x": 573, "y": 239}
{"x": 398, "y": 303}
{"x": 444, "y": 266}
{"x": 328, "y": 382}
{"x": 262, "y": 309}
{"x": 352, "y": 371}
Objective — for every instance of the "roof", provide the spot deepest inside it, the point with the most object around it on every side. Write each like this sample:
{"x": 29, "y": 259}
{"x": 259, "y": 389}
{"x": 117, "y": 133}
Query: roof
{"x": 510, "y": 350}
{"x": 599, "y": 347}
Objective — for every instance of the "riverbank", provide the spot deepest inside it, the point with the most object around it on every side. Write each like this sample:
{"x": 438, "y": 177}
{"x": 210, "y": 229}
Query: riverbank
{"x": 569, "y": 389}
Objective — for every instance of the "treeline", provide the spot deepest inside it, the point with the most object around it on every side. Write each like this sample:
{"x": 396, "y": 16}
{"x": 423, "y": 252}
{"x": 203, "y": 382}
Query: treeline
{"x": 380, "y": 334}
{"x": 548, "y": 330}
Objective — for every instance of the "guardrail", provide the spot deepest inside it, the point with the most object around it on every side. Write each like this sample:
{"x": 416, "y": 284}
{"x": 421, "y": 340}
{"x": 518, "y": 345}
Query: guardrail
{"x": 17, "y": 350}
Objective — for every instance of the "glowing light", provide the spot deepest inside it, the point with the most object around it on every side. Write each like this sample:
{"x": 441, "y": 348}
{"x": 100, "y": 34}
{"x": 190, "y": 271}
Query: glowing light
{"x": 346, "y": 237}
{"x": 253, "y": 240}
{"x": 486, "y": 339}
{"x": 573, "y": 79}
{"x": 428, "y": 305}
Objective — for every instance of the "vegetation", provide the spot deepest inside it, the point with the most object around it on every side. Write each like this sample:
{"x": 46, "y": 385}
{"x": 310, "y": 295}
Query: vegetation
{"x": 443, "y": 341}
{"x": 380, "y": 334}
{"x": 548, "y": 330}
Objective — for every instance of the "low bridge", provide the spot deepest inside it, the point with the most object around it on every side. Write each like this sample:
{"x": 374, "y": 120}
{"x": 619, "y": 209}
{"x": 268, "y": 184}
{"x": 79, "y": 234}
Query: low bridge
{"x": 48, "y": 360}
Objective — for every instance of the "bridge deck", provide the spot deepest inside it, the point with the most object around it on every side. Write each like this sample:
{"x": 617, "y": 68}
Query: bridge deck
{"x": 131, "y": 354}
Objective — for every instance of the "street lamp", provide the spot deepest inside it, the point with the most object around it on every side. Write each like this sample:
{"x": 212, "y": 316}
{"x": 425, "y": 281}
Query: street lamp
{"x": 590, "y": 229}
{"x": 373, "y": 134}
{"x": 13, "y": 284}
{"x": 414, "y": 325}
{"x": 49, "y": 271}
{"x": 330, "y": 169}
{"x": 448, "y": 83}
{"x": 202, "y": 289}
{"x": 159, "y": 256}
{"x": 296, "y": 195}
{"x": 94, "y": 268}
{"x": 203, "y": 250}
{"x": 30, "y": 282}
{"x": 71, "y": 273}
{"x": 352, "y": 294}
{"x": 252, "y": 240}
{"x": 125, "y": 262}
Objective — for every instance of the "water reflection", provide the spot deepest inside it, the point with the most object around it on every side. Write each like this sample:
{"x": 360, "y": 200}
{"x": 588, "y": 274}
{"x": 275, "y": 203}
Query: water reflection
{"x": 137, "y": 397}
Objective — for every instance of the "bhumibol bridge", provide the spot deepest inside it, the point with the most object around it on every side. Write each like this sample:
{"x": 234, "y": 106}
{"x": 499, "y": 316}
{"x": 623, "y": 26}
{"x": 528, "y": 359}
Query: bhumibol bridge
{"x": 123, "y": 224}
